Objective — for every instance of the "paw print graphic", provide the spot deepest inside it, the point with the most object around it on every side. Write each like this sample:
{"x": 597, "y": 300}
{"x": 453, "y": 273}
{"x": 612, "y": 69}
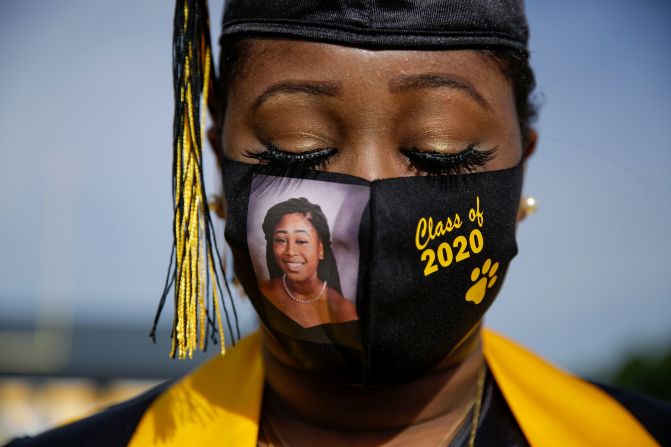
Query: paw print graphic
{"x": 487, "y": 279}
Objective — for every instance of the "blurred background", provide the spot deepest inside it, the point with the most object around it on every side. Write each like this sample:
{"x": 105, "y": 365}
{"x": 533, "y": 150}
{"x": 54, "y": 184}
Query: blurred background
{"x": 85, "y": 192}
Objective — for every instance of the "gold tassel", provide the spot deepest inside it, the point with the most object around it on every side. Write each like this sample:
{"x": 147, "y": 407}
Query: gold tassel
{"x": 193, "y": 273}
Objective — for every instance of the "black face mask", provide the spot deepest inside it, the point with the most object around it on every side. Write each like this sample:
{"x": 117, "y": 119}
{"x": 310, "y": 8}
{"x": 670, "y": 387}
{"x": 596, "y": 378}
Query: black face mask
{"x": 370, "y": 282}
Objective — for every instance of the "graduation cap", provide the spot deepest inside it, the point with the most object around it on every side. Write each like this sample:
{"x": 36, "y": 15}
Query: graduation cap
{"x": 196, "y": 273}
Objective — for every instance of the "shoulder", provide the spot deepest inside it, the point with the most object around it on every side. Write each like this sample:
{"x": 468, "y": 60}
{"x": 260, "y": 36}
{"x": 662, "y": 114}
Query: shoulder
{"x": 110, "y": 428}
{"x": 654, "y": 415}
{"x": 336, "y": 297}
{"x": 271, "y": 286}
{"x": 343, "y": 307}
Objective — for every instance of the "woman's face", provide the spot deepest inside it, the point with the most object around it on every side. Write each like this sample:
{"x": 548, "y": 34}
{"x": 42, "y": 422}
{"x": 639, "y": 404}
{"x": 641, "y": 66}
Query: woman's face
{"x": 367, "y": 106}
{"x": 297, "y": 247}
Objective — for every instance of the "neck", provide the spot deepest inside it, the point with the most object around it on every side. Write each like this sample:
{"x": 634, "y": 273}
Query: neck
{"x": 307, "y": 288}
{"x": 441, "y": 395}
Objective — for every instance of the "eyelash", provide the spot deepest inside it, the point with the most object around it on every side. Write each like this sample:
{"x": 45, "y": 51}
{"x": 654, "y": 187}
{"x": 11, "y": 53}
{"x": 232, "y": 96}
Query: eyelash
{"x": 436, "y": 163}
{"x": 423, "y": 162}
{"x": 276, "y": 157}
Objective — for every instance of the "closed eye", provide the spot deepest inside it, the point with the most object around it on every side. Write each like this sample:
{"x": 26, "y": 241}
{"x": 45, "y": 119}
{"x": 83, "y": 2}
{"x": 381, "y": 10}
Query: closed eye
{"x": 423, "y": 162}
{"x": 279, "y": 158}
{"x": 438, "y": 163}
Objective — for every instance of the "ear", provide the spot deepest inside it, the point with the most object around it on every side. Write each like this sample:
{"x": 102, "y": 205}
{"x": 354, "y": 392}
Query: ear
{"x": 217, "y": 203}
{"x": 214, "y": 137}
{"x": 524, "y": 208}
{"x": 321, "y": 251}
{"x": 532, "y": 140}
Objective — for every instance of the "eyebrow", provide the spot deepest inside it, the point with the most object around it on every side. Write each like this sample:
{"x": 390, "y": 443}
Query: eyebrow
{"x": 403, "y": 83}
{"x": 295, "y": 231}
{"x": 315, "y": 88}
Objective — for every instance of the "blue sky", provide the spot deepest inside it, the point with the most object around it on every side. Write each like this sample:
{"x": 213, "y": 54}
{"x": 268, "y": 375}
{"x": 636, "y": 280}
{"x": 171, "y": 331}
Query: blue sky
{"x": 85, "y": 129}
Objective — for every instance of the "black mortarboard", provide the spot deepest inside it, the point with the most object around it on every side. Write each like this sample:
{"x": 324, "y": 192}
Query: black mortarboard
{"x": 385, "y": 23}
{"x": 195, "y": 271}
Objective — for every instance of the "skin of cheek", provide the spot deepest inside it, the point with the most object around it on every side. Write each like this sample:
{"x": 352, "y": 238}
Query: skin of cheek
{"x": 310, "y": 252}
{"x": 365, "y": 121}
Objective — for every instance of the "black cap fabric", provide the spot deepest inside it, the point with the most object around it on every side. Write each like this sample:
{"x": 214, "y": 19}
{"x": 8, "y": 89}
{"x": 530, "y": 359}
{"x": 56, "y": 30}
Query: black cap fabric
{"x": 431, "y": 24}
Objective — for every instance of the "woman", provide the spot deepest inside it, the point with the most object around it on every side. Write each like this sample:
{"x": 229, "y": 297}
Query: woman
{"x": 300, "y": 260}
{"x": 426, "y": 105}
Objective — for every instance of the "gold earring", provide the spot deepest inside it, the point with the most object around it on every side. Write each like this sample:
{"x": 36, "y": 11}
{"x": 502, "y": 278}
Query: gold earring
{"x": 528, "y": 206}
{"x": 217, "y": 205}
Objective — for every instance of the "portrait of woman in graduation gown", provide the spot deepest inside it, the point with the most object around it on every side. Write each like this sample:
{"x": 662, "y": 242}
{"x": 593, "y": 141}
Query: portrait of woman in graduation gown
{"x": 300, "y": 261}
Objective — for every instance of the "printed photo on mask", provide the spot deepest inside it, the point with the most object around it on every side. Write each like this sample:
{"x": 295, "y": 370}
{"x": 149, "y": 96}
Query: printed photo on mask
{"x": 303, "y": 242}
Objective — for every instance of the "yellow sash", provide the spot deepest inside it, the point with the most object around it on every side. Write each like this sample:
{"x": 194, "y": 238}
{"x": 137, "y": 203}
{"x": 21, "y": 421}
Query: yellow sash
{"x": 554, "y": 408}
{"x": 220, "y": 403}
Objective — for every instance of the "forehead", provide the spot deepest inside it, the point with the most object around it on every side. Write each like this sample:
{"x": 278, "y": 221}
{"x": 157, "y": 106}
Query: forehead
{"x": 267, "y": 61}
{"x": 294, "y": 220}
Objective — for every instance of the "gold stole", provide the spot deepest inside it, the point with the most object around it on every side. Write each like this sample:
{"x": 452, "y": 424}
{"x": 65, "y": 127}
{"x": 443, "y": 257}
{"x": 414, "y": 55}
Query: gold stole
{"x": 220, "y": 403}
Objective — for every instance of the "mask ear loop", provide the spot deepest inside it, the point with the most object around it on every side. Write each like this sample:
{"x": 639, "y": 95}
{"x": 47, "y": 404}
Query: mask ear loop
{"x": 195, "y": 270}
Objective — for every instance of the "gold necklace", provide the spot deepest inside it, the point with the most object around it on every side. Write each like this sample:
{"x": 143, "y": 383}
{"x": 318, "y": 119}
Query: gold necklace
{"x": 478, "y": 405}
{"x": 298, "y": 300}
{"x": 475, "y": 405}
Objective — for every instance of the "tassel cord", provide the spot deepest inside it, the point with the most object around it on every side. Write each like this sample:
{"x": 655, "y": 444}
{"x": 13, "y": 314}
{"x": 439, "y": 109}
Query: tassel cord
{"x": 193, "y": 273}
